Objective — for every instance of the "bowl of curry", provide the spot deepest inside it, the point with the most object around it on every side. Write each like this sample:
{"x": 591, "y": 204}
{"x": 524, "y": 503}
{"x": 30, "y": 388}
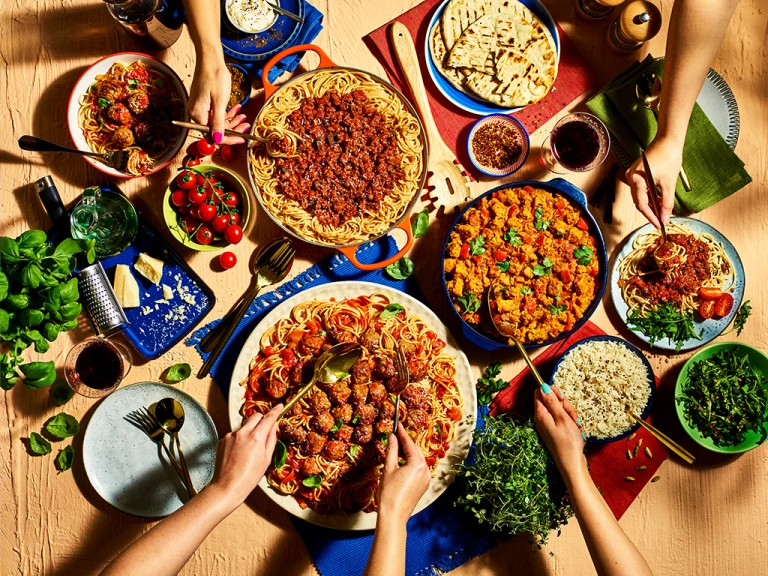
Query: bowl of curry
{"x": 539, "y": 241}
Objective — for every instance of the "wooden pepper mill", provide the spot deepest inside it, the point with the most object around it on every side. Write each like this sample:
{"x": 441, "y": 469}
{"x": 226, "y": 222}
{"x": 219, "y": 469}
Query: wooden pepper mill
{"x": 639, "y": 22}
{"x": 593, "y": 10}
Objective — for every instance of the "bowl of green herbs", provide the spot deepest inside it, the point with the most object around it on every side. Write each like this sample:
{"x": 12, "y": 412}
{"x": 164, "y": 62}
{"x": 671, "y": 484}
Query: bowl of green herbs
{"x": 721, "y": 397}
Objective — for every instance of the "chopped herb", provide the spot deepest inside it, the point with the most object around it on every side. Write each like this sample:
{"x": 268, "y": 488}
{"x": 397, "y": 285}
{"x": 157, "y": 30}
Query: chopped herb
{"x": 477, "y": 246}
{"x": 524, "y": 290}
{"x": 583, "y": 255}
{"x": 538, "y": 222}
{"x": 470, "y": 303}
{"x": 488, "y": 384}
{"x": 133, "y": 83}
{"x": 384, "y": 439}
{"x": 543, "y": 269}
{"x": 557, "y": 308}
{"x": 503, "y": 266}
{"x": 667, "y": 321}
{"x": 337, "y": 425}
{"x": 356, "y": 419}
{"x": 103, "y": 102}
{"x": 512, "y": 237}
{"x": 391, "y": 311}
{"x": 353, "y": 450}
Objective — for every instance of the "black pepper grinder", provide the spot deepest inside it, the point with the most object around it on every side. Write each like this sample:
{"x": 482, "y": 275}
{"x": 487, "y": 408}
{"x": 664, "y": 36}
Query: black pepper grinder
{"x": 639, "y": 22}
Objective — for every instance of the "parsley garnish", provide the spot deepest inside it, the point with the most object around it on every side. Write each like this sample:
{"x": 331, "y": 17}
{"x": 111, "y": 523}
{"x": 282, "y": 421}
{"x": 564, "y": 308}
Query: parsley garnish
{"x": 470, "y": 303}
{"x": 543, "y": 269}
{"x": 503, "y": 266}
{"x": 525, "y": 290}
{"x": 583, "y": 255}
{"x": 103, "y": 102}
{"x": 477, "y": 246}
{"x": 488, "y": 384}
{"x": 538, "y": 222}
{"x": 512, "y": 237}
{"x": 556, "y": 308}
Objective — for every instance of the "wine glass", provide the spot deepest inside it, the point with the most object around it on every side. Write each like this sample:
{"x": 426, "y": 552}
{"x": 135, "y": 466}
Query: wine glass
{"x": 579, "y": 142}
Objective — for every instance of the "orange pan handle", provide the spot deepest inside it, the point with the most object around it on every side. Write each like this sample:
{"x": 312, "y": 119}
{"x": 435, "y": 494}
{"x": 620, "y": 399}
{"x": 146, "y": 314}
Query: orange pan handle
{"x": 349, "y": 251}
{"x": 270, "y": 88}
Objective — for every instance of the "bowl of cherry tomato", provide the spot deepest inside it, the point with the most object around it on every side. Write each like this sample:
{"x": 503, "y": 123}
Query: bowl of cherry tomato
{"x": 206, "y": 207}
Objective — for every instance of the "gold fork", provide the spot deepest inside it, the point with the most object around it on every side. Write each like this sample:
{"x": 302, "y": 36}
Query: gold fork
{"x": 403, "y": 379}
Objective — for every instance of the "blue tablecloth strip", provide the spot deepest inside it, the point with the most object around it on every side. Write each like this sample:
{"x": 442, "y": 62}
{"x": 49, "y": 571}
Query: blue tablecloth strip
{"x": 441, "y": 537}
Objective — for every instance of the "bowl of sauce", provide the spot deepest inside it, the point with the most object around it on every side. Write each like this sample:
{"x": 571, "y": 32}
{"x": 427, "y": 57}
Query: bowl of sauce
{"x": 250, "y": 16}
{"x": 498, "y": 145}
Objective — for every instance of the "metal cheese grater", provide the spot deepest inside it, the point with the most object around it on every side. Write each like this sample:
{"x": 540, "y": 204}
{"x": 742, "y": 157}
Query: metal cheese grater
{"x": 96, "y": 292}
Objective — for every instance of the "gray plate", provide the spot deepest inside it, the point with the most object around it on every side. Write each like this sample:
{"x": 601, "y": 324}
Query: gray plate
{"x": 718, "y": 103}
{"x": 130, "y": 471}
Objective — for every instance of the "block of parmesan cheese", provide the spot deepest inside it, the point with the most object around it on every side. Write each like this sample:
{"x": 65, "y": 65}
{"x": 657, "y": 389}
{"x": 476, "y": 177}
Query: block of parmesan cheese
{"x": 126, "y": 287}
{"x": 149, "y": 267}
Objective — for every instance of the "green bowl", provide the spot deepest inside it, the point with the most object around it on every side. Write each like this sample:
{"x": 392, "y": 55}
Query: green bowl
{"x": 759, "y": 362}
{"x": 232, "y": 182}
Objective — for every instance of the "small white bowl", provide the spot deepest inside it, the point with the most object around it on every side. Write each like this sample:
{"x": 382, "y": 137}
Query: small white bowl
{"x": 89, "y": 77}
{"x": 234, "y": 24}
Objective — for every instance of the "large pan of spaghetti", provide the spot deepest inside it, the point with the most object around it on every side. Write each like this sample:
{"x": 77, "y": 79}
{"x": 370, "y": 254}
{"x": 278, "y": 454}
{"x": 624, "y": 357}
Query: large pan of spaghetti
{"x": 346, "y": 157}
{"x": 681, "y": 294}
{"x": 127, "y": 101}
{"x": 331, "y": 448}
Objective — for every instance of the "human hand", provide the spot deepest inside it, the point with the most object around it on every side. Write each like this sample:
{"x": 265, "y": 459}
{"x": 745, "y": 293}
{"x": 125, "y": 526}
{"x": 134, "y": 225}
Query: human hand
{"x": 242, "y": 457}
{"x": 665, "y": 157}
{"x": 208, "y": 99}
{"x": 559, "y": 427}
{"x": 401, "y": 487}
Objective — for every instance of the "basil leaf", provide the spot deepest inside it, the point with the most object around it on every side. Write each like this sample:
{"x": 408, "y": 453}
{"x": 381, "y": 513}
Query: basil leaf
{"x": 337, "y": 425}
{"x": 353, "y": 450}
{"x": 31, "y": 239}
{"x": 37, "y": 369}
{"x": 31, "y": 276}
{"x": 5, "y": 321}
{"x": 313, "y": 481}
{"x": 103, "y": 102}
{"x": 69, "y": 291}
{"x": 69, "y": 325}
{"x": 63, "y": 425}
{"x": 65, "y": 459}
{"x": 41, "y": 346}
{"x": 391, "y": 311}
{"x": 278, "y": 458}
{"x": 421, "y": 224}
{"x": 44, "y": 382}
{"x": 178, "y": 372}
{"x": 70, "y": 310}
{"x": 133, "y": 83}
{"x": 31, "y": 317}
{"x": 61, "y": 393}
{"x": 50, "y": 331}
{"x": 9, "y": 251}
{"x": 38, "y": 444}
{"x": 3, "y": 286}
{"x": 401, "y": 269}
{"x": 18, "y": 301}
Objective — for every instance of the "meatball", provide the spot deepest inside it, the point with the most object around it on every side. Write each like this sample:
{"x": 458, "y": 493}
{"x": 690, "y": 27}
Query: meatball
{"x": 144, "y": 131}
{"x": 417, "y": 369}
{"x": 297, "y": 373}
{"x": 321, "y": 423}
{"x": 311, "y": 344}
{"x": 123, "y": 138}
{"x": 293, "y": 435}
{"x": 335, "y": 449}
{"x": 365, "y": 414}
{"x": 386, "y": 410}
{"x": 344, "y": 433}
{"x": 370, "y": 339}
{"x": 359, "y": 394}
{"x": 342, "y": 335}
{"x": 342, "y": 412}
{"x": 361, "y": 372}
{"x": 314, "y": 443}
{"x": 383, "y": 428}
{"x": 395, "y": 385}
{"x": 376, "y": 392}
{"x": 380, "y": 446}
{"x": 415, "y": 397}
{"x": 138, "y": 101}
{"x": 109, "y": 90}
{"x": 138, "y": 71}
{"x": 416, "y": 419}
{"x": 318, "y": 402}
{"x": 385, "y": 367}
{"x": 362, "y": 435}
{"x": 277, "y": 388}
{"x": 310, "y": 467}
{"x": 119, "y": 113}
{"x": 339, "y": 393}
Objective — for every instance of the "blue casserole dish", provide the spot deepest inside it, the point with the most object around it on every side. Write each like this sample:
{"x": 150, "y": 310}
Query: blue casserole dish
{"x": 559, "y": 186}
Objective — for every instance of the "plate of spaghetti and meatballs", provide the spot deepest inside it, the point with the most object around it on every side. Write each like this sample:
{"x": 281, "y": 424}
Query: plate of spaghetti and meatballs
{"x": 127, "y": 102}
{"x": 332, "y": 444}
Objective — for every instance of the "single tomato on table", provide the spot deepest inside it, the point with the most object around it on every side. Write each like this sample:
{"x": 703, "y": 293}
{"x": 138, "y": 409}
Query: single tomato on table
{"x": 227, "y": 260}
{"x": 227, "y": 153}
{"x": 190, "y": 160}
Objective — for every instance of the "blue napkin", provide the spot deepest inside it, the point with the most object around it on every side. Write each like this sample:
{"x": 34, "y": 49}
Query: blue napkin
{"x": 440, "y": 537}
{"x": 313, "y": 24}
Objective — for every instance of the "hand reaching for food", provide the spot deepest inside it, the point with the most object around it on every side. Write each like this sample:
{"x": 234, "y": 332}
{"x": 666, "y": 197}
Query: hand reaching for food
{"x": 665, "y": 157}
{"x": 559, "y": 427}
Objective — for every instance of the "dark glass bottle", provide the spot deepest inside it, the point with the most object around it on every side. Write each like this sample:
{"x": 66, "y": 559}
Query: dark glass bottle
{"x": 157, "y": 22}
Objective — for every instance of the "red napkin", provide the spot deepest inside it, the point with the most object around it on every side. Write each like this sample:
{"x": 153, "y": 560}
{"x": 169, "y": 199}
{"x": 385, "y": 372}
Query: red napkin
{"x": 574, "y": 78}
{"x": 608, "y": 464}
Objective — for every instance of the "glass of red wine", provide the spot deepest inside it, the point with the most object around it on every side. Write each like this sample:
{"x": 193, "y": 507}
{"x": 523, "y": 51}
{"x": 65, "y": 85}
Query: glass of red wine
{"x": 95, "y": 367}
{"x": 579, "y": 142}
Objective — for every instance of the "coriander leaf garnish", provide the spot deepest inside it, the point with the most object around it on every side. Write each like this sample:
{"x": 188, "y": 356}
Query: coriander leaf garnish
{"x": 524, "y": 290}
{"x": 503, "y": 266}
{"x": 543, "y": 269}
{"x": 512, "y": 237}
{"x": 477, "y": 246}
{"x": 583, "y": 255}
{"x": 556, "y": 308}
{"x": 469, "y": 302}
{"x": 538, "y": 222}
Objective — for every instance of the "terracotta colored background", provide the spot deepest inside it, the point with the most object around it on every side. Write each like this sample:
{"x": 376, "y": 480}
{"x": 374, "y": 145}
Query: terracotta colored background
{"x": 708, "y": 519}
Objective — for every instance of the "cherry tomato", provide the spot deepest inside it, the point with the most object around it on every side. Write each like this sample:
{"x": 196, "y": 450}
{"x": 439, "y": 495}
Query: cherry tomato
{"x": 230, "y": 199}
{"x": 227, "y": 260}
{"x": 512, "y": 211}
{"x": 228, "y": 153}
{"x": 185, "y": 180}
{"x": 209, "y": 175}
{"x": 197, "y": 194}
{"x": 204, "y": 235}
{"x": 710, "y": 293}
{"x": 206, "y": 212}
{"x": 565, "y": 275}
{"x": 179, "y": 198}
{"x": 582, "y": 224}
{"x": 200, "y": 180}
{"x": 500, "y": 255}
{"x": 205, "y": 148}
{"x": 234, "y": 218}
{"x": 723, "y": 305}
{"x": 220, "y": 223}
{"x": 193, "y": 211}
{"x": 707, "y": 309}
{"x": 190, "y": 160}
{"x": 189, "y": 224}
{"x": 233, "y": 234}
{"x": 464, "y": 250}
{"x": 182, "y": 210}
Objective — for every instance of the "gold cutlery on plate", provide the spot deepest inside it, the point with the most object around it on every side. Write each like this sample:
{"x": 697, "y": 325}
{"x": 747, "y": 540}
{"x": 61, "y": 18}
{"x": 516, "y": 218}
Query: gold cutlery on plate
{"x": 169, "y": 414}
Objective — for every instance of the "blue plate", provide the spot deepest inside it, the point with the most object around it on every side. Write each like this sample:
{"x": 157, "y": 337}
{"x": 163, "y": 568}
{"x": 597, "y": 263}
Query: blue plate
{"x": 155, "y": 333}
{"x": 709, "y": 329}
{"x": 557, "y": 186}
{"x": 647, "y": 410}
{"x": 464, "y": 100}
{"x": 263, "y": 45}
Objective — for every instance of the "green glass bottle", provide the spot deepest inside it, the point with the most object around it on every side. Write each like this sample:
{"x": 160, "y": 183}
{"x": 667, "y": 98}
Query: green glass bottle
{"x": 107, "y": 217}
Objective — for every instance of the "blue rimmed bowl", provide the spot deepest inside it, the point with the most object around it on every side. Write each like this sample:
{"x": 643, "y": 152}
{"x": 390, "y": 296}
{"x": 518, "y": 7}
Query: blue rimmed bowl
{"x": 651, "y": 378}
{"x": 517, "y": 127}
{"x": 249, "y": 86}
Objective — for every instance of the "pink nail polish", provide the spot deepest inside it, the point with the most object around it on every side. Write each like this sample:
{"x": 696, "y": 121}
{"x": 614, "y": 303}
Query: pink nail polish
{"x": 247, "y": 127}
{"x": 217, "y": 137}
{"x": 237, "y": 108}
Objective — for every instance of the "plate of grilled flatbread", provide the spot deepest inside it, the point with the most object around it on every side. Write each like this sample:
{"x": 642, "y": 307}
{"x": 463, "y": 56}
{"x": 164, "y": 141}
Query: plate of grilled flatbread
{"x": 490, "y": 56}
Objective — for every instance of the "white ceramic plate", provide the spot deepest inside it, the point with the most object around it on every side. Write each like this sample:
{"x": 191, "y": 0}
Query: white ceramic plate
{"x": 131, "y": 472}
{"x": 460, "y": 445}
{"x": 89, "y": 77}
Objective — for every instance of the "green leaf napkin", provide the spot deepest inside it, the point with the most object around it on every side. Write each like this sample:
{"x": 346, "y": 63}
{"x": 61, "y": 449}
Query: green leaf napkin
{"x": 713, "y": 168}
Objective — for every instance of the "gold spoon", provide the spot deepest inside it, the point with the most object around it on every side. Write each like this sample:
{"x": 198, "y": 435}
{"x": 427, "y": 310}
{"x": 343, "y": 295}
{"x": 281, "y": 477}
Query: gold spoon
{"x": 507, "y": 329}
{"x": 333, "y": 365}
{"x": 170, "y": 416}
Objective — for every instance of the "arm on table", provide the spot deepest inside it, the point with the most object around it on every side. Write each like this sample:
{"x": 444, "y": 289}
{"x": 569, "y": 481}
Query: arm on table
{"x": 242, "y": 458}
{"x": 612, "y": 552}
{"x": 400, "y": 490}
{"x": 696, "y": 29}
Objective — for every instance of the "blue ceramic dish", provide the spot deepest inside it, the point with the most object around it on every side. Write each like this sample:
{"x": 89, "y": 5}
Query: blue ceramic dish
{"x": 647, "y": 410}
{"x": 557, "y": 186}
{"x": 463, "y": 100}
{"x": 513, "y": 123}
{"x": 248, "y": 78}
{"x": 262, "y": 45}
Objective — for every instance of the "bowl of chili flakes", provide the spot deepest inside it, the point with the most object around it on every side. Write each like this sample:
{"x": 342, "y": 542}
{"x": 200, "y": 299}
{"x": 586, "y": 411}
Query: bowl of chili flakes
{"x": 498, "y": 145}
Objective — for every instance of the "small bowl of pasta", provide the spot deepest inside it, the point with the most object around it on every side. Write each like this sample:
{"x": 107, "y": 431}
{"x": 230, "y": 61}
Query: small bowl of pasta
{"x": 127, "y": 102}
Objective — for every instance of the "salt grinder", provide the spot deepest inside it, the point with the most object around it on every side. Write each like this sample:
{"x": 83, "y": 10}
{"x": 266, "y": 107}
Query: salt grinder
{"x": 639, "y": 22}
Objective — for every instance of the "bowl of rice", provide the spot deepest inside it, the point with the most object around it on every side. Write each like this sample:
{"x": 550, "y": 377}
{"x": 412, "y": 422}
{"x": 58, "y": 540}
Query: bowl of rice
{"x": 601, "y": 376}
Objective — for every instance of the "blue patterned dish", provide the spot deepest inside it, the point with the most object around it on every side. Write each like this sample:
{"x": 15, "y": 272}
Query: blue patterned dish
{"x": 514, "y": 124}
{"x": 709, "y": 329}
{"x": 263, "y": 45}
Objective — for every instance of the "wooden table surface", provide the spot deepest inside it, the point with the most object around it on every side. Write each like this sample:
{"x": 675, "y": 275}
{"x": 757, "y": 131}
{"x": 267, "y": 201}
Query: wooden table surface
{"x": 711, "y": 518}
